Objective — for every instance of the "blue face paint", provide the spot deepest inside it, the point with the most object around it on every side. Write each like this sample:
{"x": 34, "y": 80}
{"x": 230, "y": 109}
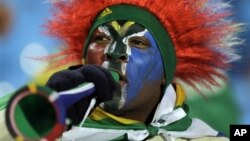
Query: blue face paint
{"x": 145, "y": 66}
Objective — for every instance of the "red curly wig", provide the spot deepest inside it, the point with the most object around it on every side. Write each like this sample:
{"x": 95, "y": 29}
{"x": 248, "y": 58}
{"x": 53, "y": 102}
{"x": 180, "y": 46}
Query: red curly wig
{"x": 200, "y": 30}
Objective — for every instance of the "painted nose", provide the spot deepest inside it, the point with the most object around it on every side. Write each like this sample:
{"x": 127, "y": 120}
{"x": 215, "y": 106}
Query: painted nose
{"x": 117, "y": 51}
{"x": 117, "y": 56}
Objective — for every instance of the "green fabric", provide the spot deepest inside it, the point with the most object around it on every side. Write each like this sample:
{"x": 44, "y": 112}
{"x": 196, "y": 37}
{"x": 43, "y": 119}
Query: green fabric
{"x": 4, "y": 100}
{"x": 149, "y": 21}
{"x": 218, "y": 110}
{"x": 180, "y": 125}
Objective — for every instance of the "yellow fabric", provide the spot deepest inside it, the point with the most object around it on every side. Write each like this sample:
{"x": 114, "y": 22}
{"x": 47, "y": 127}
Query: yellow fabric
{"x": 180, "y": 95}
{"x": 99, "y": 114}
{"x": 19, "y": 138}
{"x": 32, "y": 88}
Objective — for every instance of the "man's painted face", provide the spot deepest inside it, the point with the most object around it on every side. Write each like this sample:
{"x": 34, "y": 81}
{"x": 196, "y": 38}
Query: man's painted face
{"x": 129, "y": 49}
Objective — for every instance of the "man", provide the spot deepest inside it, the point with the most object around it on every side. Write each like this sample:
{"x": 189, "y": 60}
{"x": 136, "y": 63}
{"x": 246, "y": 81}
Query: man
{"x": 150, "y": 45}
{"x": 139, "y": 40}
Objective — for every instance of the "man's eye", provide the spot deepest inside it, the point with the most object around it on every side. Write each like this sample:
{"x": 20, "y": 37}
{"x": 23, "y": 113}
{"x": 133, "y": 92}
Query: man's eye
{"x": 139, "y": 42}
{"x": 101, "y": 39}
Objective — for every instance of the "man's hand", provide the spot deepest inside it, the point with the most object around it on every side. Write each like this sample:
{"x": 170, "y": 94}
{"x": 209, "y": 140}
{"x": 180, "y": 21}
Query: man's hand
{"x": 74, "y": 76}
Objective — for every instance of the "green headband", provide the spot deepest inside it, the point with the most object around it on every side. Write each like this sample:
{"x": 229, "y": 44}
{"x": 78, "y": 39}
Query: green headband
{"x": 150, "y": 22}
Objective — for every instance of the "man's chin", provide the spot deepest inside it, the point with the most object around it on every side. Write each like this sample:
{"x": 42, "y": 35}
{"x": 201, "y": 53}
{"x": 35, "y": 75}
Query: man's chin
{"x": 113, "y": 107}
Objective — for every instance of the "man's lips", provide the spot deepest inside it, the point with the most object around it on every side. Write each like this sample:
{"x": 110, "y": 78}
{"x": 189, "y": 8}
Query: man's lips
{"x": 122, "y": 77}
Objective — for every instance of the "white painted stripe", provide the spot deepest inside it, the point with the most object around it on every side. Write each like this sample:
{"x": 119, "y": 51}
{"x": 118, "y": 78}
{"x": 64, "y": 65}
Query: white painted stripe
{"x": 124, "y": 68}
{"x": 111, "y": 47}
{"x": 104, "y": 29}
{"x": 105, "y": 64}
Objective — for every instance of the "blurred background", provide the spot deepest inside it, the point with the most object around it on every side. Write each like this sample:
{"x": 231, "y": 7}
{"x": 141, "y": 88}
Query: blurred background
{"x": 22, "y": 38}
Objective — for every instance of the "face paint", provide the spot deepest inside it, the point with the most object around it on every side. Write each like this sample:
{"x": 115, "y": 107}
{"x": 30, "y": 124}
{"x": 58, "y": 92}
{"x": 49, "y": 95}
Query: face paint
{"x": 144, "y": 66}
{"x": 130, "y": 50}
{"x": 98, "y": 44}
